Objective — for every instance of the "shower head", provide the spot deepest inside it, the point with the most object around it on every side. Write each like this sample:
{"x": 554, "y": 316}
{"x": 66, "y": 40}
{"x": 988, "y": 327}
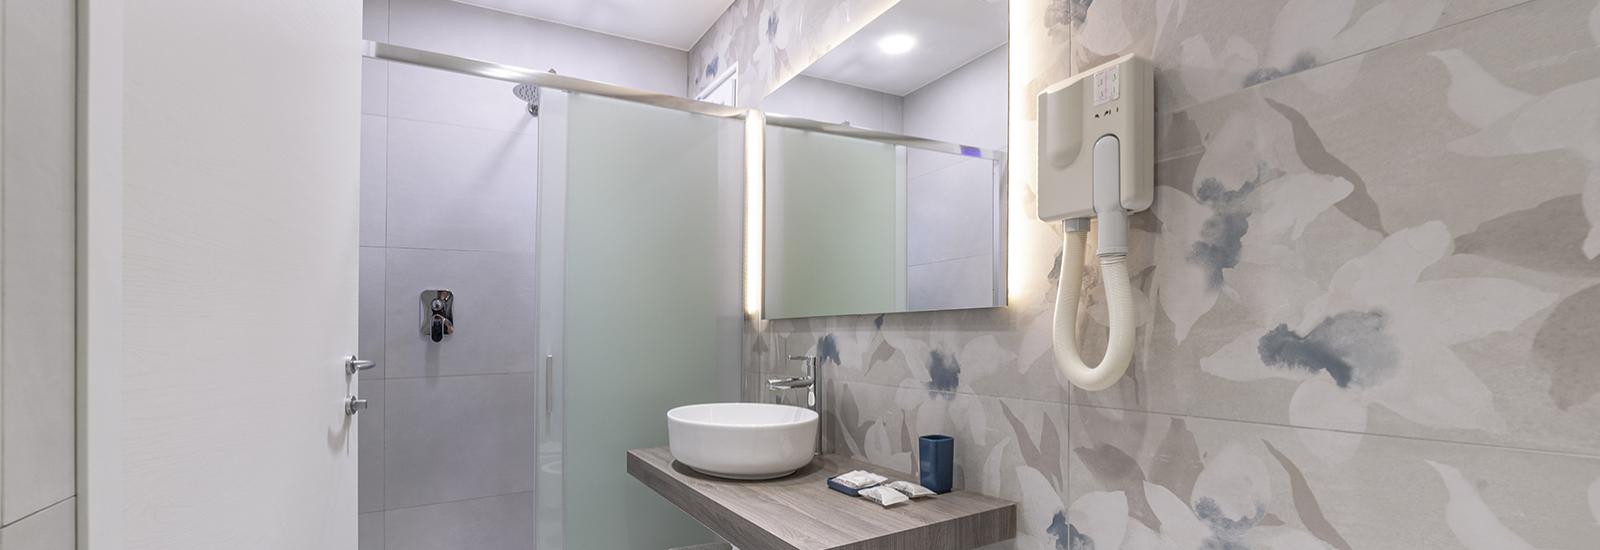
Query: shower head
{"x": 530, "y": 94}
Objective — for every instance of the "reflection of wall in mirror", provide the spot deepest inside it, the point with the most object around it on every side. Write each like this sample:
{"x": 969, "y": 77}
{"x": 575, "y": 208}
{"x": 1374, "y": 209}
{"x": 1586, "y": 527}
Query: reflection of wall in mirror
{"x": 951, "y": 198}
{"x": 831, "y": 247}
{"x": 944, "y": 215}
{"x": 829, "y": 101}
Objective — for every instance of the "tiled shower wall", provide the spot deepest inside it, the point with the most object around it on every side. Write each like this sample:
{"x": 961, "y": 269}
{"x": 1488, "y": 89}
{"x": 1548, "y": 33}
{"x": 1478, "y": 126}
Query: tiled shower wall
{"x": 38, "y": 486}
{"x": 448, "y": 190}
{"x": 1368, "y": 289}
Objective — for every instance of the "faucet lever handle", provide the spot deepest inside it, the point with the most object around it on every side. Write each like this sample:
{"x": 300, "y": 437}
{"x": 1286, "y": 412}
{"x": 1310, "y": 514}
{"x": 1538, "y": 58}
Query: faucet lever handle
{"x": 810, "y": 364}
{"x": 441, "y": 327}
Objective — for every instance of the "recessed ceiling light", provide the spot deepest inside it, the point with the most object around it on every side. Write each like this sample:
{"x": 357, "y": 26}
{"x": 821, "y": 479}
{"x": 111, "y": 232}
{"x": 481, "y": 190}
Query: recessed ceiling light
{"x": 895, "y": 44}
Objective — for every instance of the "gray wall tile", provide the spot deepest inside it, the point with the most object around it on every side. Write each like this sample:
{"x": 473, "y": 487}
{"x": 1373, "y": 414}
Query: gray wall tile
{"x": 829, "y": 101}
{"x": 494, "y": 523}
{"x": 432, "y": 95}
{"x": 375, "y": 20}
{"x": 967, "y": 106}
{"x": 374, "y": 177}
{"x": 370, "y": 481}
{"x": 460, "y": 29}
{"x": 452, "y": 187}
{"x": 945, "y": 284}
{"x": 374, "y": 86}
{"x": 458, "y": 437}
{"x": 371, "y": 312}
{"x": 53, "y": 528}
{"x": 37, "y": 355}
{"x": 369, "y": 534}
{"x": 950, "y": 212}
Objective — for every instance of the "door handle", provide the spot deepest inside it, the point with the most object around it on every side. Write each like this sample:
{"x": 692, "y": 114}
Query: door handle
{"x": 352, "y": 364}
{"x": 549, "y": 382}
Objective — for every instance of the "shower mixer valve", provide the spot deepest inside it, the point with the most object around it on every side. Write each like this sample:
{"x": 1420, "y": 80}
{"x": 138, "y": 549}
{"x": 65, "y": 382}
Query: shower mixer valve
{"x": 438, "y": 314}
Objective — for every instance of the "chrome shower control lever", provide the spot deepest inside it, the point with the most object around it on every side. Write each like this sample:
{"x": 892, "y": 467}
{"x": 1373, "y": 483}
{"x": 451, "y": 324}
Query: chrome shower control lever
{"x": 438, "y": 314}
{"x": 439, "y": 328}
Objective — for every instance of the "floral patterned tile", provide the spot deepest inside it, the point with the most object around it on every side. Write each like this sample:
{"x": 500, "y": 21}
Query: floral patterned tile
{"x": 1143, "y": 480}
{"x": 770, "y": 41}
{"x": 1372, "y": 247}
{"x": 1206, "y": 50}
{"x": 1309, "y": 270}
{"x": 1005, "y": 448}
{"x": 976, "y": 351}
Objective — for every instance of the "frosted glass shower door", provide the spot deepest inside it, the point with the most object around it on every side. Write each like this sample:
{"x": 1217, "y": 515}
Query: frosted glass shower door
{"x": 640, "y": 262}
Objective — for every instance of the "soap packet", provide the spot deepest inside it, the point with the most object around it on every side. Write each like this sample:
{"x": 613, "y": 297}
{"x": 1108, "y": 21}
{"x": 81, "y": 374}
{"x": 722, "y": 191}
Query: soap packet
{"x": 910, "y": 489}
{"x": 859, "y": 479}
{"x": 884, "y": 496}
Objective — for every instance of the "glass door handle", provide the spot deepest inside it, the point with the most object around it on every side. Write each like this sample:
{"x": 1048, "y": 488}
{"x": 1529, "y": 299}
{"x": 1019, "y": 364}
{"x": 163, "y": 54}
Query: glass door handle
{"x": 549, "y": 382}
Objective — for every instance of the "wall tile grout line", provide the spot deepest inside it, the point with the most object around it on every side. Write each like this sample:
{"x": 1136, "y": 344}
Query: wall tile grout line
{"x": 452, "y": 501}
{"x": 383, "y": 323}
{"x": 383, "y": 493}
{"x": 1481, "y": 445}
{"x": 468, "y": 250}
{"x": 44, "y": 509}
{"x": 1372, "y": 434}
{"x": 1263, "y": 84}
{"x": 1252, "y": 422}
{"x": 3, "y": 365}
{"x": 460, "y": 375}
{"x": 1258, "y": 88}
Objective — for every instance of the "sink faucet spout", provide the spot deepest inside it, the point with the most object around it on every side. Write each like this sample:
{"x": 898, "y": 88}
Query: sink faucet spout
{"x": 810, "y": 382}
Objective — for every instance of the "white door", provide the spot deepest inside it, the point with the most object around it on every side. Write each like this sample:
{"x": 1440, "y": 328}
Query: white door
{"x": 240, "y": 184}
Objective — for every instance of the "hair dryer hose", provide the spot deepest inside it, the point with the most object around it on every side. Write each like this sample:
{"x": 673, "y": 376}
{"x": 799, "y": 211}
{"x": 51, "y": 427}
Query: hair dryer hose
{"x": 1119, "y": 299}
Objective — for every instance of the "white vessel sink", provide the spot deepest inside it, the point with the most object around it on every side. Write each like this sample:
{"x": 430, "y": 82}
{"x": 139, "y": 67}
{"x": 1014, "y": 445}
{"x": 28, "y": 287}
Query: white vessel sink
{"x": 742, "y": 440}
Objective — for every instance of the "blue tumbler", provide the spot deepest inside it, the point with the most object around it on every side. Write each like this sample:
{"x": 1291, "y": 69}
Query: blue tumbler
{"x": 936, "y": 455}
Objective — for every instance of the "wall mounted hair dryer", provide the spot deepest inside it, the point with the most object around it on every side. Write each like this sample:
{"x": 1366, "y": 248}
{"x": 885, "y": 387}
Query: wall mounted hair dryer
{"x": 1097, "y": 159}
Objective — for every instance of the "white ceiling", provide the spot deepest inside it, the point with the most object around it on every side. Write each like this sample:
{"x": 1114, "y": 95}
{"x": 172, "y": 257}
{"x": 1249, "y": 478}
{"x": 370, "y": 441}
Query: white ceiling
{"x": 950, "y": 33}
{"x": 673, "y": 23}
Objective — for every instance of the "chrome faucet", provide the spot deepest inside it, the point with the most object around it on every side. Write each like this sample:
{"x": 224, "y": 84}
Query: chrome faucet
{"x": 810, "y": 382}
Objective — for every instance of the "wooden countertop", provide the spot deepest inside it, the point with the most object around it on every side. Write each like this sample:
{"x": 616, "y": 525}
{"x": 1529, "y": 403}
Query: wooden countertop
{"x": 800, "y": 512}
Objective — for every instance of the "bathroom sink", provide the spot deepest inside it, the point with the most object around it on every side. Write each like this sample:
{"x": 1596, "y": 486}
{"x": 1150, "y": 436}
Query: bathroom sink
{"x": 742, "y": 440}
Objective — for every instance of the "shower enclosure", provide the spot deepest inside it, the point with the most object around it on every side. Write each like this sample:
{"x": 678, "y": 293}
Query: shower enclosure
{"x": 634, "y": 297}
